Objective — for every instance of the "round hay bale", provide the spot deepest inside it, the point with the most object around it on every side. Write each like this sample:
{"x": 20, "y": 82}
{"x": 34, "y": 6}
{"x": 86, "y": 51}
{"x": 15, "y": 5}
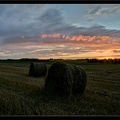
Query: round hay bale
{"x": 59, "y": 79}
{"x": 80, "y": 78}
{"x": 65, "y": 80}
{"x": 37, "y": 69}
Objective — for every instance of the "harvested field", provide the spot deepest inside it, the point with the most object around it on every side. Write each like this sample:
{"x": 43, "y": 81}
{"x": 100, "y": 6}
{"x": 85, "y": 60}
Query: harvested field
{"x": 21, "y": 94}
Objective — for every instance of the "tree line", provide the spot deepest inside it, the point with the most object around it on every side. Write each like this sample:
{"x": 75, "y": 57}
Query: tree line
{"x": 95, "y": 60}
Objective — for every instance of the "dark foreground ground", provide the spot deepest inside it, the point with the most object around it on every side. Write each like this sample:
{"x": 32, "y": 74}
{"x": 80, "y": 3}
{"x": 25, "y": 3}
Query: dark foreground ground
{"x": 21, "y": 94}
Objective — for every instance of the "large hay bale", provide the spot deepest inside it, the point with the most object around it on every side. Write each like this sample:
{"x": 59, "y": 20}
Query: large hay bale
{"x": 65, "y": 80}
{"x": 37, "y": 69}
{"x": 79, "y": 78}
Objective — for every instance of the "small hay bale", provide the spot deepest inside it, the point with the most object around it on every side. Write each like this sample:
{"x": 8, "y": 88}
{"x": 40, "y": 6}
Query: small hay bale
{"x": 37, "y": 69}
{"x": 65, "y": 80}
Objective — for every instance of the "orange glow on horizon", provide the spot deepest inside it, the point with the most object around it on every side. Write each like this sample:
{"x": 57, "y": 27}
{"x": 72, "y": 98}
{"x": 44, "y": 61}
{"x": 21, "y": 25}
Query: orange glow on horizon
{"x": 104, "y": 58}
{"x": 76, "y": 57}
{"x": 107, "y": 57}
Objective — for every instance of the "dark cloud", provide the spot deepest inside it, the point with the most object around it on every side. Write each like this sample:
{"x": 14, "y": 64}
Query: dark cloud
{"x": 50, "y": 21}
{"x": 100, "y": 10}
{"x": 109, "y": 11}
{"x": 15, "y": 19}
{"x": 71, "y": 30}
{"x": 33, "y": 23}
{"x": 94, "y": 10}
{"x": 51, "y": 16}
{"x": 98, "y": 30}
{"x": 15, "y": 40}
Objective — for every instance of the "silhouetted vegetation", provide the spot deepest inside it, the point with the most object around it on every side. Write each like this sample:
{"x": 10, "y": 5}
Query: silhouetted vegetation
{"x": 25, "y": 60}
{"x": 103, "y": 60}
{"x": 69, "y": 61}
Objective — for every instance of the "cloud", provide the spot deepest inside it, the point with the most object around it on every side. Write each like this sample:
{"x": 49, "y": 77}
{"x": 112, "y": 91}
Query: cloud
{"x": 18, "y": 13}
{"x": 94, "y": 34}
{"x": 101, "y": 10}
{"x": 101, "y": 30}
{"x": 32, "y": 20}
{"x": 77, "y": 38}
{"x": 15, "y": 19}
{"x": 57, "y": 50}
{"x": 4, "y": 53}
{"x": 116, "y": 51}
{"x": 52, "y": 20}
{"x": 51, "y": 16}
{"x": 108, "y": 11}
{"x": 95, "y": 10}
{"x": 30, "y": 30}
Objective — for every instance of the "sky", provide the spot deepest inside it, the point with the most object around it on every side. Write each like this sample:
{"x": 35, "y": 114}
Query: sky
{"x": 59, "y": 31}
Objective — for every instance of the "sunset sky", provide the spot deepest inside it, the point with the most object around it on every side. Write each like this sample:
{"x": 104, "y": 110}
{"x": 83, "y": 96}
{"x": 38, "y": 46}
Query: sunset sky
{"x": 59, "y": 31}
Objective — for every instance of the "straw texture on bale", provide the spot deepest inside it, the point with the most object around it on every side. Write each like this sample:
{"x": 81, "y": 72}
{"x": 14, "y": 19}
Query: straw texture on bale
{"x": 65, "y": 80}
{"x": 37, "y": 69}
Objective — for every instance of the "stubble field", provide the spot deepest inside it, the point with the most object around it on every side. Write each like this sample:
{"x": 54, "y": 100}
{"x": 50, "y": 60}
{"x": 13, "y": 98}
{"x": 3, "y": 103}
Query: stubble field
{"x": 21, "y": 94}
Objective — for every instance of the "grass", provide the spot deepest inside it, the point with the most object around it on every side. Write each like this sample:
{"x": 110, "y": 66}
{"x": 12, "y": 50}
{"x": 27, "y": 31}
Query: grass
{"x": 21, "y": 94}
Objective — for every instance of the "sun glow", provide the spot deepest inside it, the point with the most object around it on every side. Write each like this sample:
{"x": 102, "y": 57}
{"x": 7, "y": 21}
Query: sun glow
{"x": 109, "y": 58}
{"x": 106, "y": 58}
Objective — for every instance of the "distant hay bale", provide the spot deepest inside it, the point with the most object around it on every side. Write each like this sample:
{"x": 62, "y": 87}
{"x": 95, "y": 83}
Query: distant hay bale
{"x": 65, "y": 80}
{"x": 37, "y": 69}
